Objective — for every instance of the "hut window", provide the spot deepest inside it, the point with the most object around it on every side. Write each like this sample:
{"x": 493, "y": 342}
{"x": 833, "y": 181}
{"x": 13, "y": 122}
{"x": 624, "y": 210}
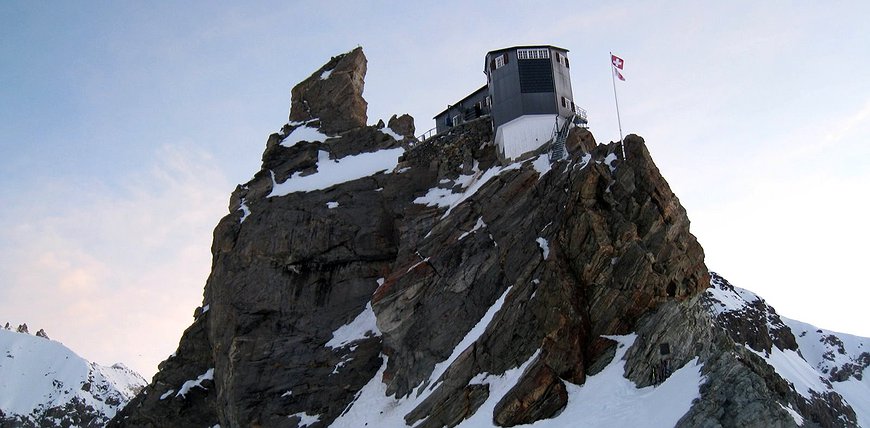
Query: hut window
{"x": 533, "y": 53}
{"x": 500, "y": 61}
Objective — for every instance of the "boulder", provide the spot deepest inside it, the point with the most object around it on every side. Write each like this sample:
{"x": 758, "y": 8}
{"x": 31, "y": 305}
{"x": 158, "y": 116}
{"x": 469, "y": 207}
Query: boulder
{"x": 402, "y": 125}
{"x": 580, "y": 141}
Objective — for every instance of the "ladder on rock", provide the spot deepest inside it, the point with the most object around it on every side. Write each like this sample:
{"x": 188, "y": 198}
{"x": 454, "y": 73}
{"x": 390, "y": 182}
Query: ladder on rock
{"x": 557, "y": 147}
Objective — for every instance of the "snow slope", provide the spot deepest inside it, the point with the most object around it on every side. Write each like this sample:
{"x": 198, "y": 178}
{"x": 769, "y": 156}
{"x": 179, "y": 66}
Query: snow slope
{"x": 606, "y": 399}
{"x": 825, "y": 361}
{"x": 843, "y": 358}
{"x": 37, "y": 375}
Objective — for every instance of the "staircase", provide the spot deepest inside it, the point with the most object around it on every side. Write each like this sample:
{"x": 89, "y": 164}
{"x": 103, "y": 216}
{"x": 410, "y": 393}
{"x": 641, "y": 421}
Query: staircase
{"x": 557, "y": 147}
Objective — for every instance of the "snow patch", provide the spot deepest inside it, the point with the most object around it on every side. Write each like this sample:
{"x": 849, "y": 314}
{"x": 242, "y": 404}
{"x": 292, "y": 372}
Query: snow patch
{"x": 545, "y": 246}
{"x": 331, "y": 205}
{"x": 542, "y": 165}
{"x": 303, "y": 133}
{"x": 325, "y": 75}
{"x": 190, "y": 384}
{"x": 608, "y": 160}
{"x": 305, "y": 419}
{"x": 167, "y": 394}
{"x": 245, "y": 210}
{"x": 477, "y": 226}
{"x": 391, "y": 133}
{"x": 798, "y": 419}
{"x": 205, "y": 309}
{"x": 331, "y": 172}
{"x": 470, "y": 184}
{"x": 363, "y": 326}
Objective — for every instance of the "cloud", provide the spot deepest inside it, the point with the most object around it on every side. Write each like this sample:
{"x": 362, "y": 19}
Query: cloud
{"x": 114, "y": 270}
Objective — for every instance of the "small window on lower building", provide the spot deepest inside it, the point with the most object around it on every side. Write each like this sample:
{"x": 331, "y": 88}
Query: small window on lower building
{"x": 564, "y": 104}
{"x": 488, "y": 101}
{"x": 457, "y": 120}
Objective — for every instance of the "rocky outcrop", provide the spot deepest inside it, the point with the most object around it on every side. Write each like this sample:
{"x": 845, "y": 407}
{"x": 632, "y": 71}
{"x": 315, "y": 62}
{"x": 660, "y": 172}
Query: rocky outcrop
{"x": 402, "y": 125}
{"x": 364, "y": 278}
{"x": 333, "y": 94}
{"x": 580, "y": 141}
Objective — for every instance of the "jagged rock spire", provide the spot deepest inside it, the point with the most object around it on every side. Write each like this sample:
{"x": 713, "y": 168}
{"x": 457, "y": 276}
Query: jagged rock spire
{"x": 333, "y": 94}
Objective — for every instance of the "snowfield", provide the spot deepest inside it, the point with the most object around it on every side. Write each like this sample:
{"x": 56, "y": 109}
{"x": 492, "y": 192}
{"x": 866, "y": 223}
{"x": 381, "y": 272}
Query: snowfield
{"x": 37, "y": 374}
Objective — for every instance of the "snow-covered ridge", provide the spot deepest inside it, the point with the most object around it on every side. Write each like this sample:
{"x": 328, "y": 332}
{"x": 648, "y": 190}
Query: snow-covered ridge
{"x": 824, "y": 362}
{"x": 38, "y": 374}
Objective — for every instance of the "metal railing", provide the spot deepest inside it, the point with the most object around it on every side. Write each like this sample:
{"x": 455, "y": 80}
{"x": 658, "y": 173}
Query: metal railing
{"x": 580, "y": 114}
{"x": 426, "y": 135}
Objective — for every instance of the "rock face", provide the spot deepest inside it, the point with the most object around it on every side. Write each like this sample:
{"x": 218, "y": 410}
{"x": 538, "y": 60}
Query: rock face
{"x": 360, "y": 280}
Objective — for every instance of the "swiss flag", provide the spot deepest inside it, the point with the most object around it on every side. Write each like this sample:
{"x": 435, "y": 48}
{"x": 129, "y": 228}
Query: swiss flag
{"x": 617, "y": 63}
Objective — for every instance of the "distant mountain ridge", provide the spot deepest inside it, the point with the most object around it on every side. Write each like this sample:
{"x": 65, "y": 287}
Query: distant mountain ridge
{"x": 816, "y": 363}
{"x": 45, "y": 384}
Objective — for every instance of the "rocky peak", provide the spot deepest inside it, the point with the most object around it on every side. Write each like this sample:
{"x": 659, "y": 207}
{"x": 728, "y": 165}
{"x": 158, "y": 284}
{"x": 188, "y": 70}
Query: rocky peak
{"x": 362, "y": 278}
{"x": 333, "y": 94}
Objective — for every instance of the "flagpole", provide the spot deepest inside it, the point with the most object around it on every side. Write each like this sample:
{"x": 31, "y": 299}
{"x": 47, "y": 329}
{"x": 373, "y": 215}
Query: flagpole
{"x": 618, "y": 120}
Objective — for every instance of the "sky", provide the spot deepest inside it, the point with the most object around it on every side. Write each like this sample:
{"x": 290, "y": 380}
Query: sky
{"x": 125, "y": 126}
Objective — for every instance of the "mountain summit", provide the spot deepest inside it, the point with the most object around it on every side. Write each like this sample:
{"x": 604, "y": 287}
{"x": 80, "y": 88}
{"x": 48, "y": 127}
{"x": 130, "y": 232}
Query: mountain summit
{"x": 45, "y": 384}
{"x": 365, "y": 278}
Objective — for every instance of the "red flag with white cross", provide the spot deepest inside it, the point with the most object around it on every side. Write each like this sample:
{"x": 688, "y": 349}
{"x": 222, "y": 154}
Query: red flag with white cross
{"x": 617, "y": 63}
